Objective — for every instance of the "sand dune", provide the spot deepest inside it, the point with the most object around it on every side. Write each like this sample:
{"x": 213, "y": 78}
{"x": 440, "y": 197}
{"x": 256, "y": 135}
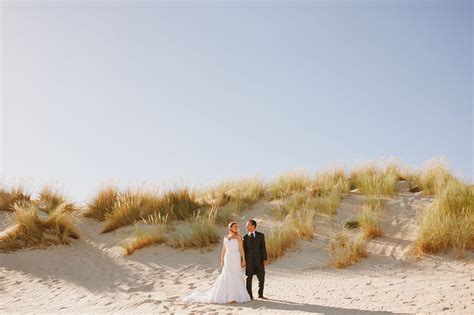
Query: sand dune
{"x": 92, "y": 275}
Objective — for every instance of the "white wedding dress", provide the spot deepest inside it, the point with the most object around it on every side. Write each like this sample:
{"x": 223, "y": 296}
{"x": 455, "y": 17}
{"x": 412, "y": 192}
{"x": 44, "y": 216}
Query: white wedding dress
{"x": 230, "y": 285}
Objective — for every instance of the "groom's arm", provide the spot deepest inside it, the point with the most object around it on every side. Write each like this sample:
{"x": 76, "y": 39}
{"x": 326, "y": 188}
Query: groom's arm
{"x": 264, "y": 249}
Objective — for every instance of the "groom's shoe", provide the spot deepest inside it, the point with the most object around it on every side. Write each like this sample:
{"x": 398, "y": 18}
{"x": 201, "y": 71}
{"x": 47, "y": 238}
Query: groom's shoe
{"x": 262, "y": 297}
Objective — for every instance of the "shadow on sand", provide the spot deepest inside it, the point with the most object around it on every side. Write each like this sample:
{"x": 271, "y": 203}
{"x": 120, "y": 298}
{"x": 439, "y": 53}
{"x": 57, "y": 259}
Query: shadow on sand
{"x": 280, "y": 305}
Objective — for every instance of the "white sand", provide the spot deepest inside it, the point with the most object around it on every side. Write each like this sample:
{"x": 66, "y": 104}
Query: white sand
{"x": 92, "y": 275}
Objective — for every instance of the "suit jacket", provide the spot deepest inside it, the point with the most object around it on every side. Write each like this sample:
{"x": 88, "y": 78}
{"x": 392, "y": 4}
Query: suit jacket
{"x": 255, "y": 253}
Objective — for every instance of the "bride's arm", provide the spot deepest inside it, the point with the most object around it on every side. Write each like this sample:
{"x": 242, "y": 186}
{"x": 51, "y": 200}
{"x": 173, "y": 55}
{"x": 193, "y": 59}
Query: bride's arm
{"x": 242, "y": 254}
{"x": 222, "y": 255}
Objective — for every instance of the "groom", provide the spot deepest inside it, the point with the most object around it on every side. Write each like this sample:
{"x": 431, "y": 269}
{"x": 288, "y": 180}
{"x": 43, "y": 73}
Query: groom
{"x": 255, "y": 256}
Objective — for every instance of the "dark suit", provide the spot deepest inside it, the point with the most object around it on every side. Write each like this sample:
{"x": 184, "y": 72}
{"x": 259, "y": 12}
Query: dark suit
{"x": 255, "y": 254}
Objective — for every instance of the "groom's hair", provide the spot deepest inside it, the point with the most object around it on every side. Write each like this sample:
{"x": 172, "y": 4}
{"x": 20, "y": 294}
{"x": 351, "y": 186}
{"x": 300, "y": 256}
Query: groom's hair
{"x": 253, "y": 222}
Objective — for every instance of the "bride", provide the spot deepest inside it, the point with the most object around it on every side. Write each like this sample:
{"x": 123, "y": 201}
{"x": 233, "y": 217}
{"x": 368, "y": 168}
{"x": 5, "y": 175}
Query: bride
{"x": 229, "y": 287}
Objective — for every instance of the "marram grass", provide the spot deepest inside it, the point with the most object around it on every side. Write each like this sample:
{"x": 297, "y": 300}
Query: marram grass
{"x": 31, "y": 231}
{"x": 373, "y": 179}
{"x": 448, "y": 222}
{"x": 10, "y": 196}
{"x": 344, "y": 252}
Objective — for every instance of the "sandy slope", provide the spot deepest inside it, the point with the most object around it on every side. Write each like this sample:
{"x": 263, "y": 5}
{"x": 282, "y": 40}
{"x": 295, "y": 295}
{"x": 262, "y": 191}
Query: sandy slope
{"x": 92, "y": 276}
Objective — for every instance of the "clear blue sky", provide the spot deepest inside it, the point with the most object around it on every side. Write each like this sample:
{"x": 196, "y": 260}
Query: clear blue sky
{"x": 201, "y": 91}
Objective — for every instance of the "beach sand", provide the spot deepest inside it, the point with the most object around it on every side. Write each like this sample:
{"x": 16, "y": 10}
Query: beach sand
{"x": 92, "y": 275}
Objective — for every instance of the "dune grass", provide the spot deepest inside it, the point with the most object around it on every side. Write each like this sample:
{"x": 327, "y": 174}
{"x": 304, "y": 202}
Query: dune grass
{"x": 288, "y": 184}
{"x": 369, "y": 218}
{"x": 12, "y": 195}
{"x": 303, "y": 222}
{"x": 344, "y": 252}
{"x": 231, "y": 197}
{"x": 328, "y": 182}
{"x": 247, "y": 190}
{"x": 102, "y": 203}
{"x": 434, "y": 176}
{"x": 33, "y": 231}
{"x": 297, "y": 224}
{"x": 201, "y": 232}
{"x": 279, "y": 240}
{"x": 327, "y": 203}
{"x": 369, "y": 223}
{"x": 448, "y": 222}
{"x": 50, "y": 198}
{"x": 142, "y": 240}
{"x": 120, "y": 209}
{"x": 139, "y": 204}
{"x": 375, "y": 179}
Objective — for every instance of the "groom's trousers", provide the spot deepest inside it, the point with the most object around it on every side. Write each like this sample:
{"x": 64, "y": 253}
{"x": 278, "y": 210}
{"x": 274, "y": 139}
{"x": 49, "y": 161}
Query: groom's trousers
{"x": 260, "y": 273}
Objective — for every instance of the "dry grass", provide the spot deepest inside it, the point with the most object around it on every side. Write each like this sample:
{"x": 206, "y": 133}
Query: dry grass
{"x": 434, "y": 176}
{"x": 140, "y": 204}
{"x": 303, "y": 223}
{"x": 10, "y": 196}
{"x": 344, "y": 252}
{"x": 103, "y": 203}
{"x": 126, "y": 211}
{"x": 292, "y": 205}
{"x": 369, "y": 223}
{"x": 143, "y": 240}
{"x": 50, "y": 198}
{"x": 229, "y": 212}
{"x": 448, "y": 222}
{"x": 288, "y": 184}
{"x": 329, "y": 203}
{"x": 326, "y": 204}
{"x": 298, "y": 224}
{"x": 231, "y": 197}
{"x": 202, "y": 232}
{"x": 279, "y": 240}
{"x": 328, "y": 182}
{"x": 374, "y": 204}
{"x": 246, "y": 190}
{"x": 374, "y": 179}
{"x": 32, "y": 231}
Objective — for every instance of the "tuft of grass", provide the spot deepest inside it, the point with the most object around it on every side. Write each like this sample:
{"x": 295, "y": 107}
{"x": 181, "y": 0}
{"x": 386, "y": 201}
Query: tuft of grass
{"x": 448, "y": 222}
{"x": 202, "y": 232}
{"x": 280, "y": 240}
{"x": 434, "y": 176}
{"x": 103, "y": 203}
{"x": 373, "y": 179}
{"x": 374, "y": 204}
{"x": 228, "y": 213}
{"x": 136, "y": 205}
{"x": 328, "y": 182}
{"x": 232, "y": 197}
{"x": 49, "y": 199}
{"x": 292, "y": 205}
{"x": 143, "y": 240}
{"x": 303, "y": 223}
{"x": 179, "y": 203}
{"x": 288, "y": 184}
{"x": 8, "y": 197}
{"x": 326, "y": 204}
{"x": 32, "y": 231}
{"x": 329, "y": 203}
{"x": 126, "y": 211}
{"x": 369, "y": 223}
{"x": 246, "y": 191}
{"x": 344, "y": 252}
{"x": 369, "y": 219}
